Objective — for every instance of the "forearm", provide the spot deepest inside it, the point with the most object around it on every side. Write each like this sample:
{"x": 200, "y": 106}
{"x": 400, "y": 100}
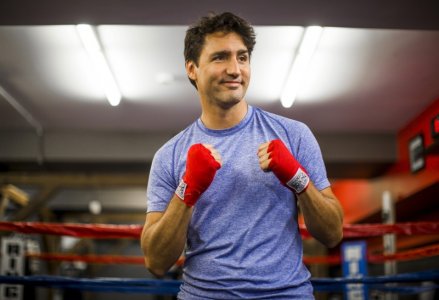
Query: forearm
{"x": 322, "y": 214}
{"x": 164, "y": 241}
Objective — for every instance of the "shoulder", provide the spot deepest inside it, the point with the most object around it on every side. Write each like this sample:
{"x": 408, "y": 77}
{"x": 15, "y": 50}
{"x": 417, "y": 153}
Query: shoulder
{"x": 164, "y": 161}
{"x": 288, "y": 124}
{"x": 168, "y": 149}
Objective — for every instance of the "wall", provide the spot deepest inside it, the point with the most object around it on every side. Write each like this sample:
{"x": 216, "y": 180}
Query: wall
{"x": 361, "y": 198}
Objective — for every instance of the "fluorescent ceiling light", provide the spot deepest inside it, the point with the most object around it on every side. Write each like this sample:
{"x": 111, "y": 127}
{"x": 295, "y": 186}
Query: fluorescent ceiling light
{"x": 298, "y": 72}
{"x": 105, "y": 76}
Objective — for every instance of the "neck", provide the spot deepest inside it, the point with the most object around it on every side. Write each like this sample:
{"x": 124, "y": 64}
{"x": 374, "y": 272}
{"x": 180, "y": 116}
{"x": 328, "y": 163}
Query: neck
{"x": 219, "y": 118}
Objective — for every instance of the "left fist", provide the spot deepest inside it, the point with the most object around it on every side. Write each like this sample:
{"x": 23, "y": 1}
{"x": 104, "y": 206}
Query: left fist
{"x": 274, "y": 156}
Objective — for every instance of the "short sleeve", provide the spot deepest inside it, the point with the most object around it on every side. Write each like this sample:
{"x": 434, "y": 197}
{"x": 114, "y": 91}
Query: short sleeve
{"x": 161, "y": 184}
{"x": 310, "y": 157}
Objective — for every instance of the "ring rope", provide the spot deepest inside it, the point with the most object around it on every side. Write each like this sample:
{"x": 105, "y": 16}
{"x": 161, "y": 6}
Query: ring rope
{"x": 371, "y": 230}
{"x": 412, "y": 254}
{"x": 172, "y": 286}
{"x": 90, "y": 258}
{"x": 156, "y": 287}
{"x": 106, "y": 231}
{"x": 97, "y": 231}
{"x": 166, "y": 287}
{"x": 378, "y": 287}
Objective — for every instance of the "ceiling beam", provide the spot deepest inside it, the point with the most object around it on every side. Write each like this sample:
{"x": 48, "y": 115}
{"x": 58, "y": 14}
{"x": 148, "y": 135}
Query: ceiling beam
{"x": 36, "y": 204}
{"x": 400, "y": 14}
{"x": 63, "y": 180}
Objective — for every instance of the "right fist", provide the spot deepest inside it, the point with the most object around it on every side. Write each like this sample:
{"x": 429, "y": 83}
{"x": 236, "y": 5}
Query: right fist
{"x": 201, "y": 165}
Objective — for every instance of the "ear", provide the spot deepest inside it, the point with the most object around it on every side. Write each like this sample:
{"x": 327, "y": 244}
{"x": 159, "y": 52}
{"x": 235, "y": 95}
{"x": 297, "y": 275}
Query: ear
{"x": 191, "y": 70}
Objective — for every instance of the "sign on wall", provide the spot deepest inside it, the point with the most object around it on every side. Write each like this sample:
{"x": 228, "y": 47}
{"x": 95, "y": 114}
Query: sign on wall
{"x": 12, "y": 264}
{"x": 354, "y": 260}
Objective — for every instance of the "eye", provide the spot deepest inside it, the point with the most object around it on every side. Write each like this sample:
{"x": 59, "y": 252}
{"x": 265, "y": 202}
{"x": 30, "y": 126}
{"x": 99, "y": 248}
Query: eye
{"x": 218, "y": 57}
{"x": 243, "y": 57}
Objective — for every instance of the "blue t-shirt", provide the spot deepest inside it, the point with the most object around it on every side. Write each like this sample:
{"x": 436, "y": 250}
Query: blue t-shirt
{"x": 243, "y": 239}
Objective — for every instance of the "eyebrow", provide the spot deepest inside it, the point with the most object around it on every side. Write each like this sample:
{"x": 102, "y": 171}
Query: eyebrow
{"x": 227, "y": 52}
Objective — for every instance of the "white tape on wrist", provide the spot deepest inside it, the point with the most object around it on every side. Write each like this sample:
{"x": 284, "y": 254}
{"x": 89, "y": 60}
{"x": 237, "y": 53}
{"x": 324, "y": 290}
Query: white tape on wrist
{"x": 181, "y": 189}
{"x": 299, "y": 182}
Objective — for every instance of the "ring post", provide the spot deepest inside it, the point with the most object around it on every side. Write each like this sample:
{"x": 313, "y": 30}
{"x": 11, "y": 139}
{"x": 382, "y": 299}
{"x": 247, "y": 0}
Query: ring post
{"x": 389, "y": 240}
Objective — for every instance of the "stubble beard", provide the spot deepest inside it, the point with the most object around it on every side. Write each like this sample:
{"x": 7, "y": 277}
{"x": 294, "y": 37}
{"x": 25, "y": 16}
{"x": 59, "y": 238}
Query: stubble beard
{"x": 227, "y": 99}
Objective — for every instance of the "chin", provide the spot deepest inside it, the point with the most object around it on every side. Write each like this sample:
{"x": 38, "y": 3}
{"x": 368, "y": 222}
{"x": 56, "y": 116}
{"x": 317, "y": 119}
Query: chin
{"x": 225, "y": 98}
{"x": 230, "y": 102}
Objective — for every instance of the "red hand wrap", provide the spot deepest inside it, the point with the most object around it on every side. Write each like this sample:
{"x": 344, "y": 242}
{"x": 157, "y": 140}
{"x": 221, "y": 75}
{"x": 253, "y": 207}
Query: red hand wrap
{"x": 286, "y": 168}
{"x": 201, "y": 168}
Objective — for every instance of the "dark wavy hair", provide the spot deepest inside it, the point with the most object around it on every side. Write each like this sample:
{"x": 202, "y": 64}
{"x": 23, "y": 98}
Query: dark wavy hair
{"x": 225, "y": 22}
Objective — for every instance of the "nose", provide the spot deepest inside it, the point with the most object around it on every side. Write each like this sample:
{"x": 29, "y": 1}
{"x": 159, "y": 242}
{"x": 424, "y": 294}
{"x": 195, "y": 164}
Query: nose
{"x": 233, "y": 68}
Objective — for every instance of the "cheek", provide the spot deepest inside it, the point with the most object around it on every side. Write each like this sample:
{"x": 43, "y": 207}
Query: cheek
{"x": 246, "y": 72}
{"x": 208, "y": 81}
{"x": 212, "y": 76}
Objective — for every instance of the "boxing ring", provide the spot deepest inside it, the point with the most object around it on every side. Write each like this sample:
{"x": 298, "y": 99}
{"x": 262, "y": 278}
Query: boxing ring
{"x": 404, "y": 283}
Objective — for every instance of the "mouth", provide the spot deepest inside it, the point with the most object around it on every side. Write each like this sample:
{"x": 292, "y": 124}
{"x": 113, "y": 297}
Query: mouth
{"x": 231, "y": 83}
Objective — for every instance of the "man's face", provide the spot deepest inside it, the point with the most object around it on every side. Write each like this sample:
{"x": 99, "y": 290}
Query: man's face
{"x": 223, "y": 72}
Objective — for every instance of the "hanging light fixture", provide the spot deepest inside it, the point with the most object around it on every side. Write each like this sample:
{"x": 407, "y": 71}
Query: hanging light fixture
{"x": 102, "y": 69}
{"x": 297, "y": 74}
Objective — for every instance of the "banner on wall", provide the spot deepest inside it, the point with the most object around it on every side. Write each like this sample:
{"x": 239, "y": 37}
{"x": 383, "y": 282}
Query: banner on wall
{"x": 354, "y": 263}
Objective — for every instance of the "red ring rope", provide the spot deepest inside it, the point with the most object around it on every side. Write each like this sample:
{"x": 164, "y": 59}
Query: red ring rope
{"x": 104, "y": 231}
{"x": 413, "y": 254}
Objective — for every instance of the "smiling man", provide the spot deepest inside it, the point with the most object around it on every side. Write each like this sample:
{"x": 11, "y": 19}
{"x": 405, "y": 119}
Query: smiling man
{"x": 228, "y": 188}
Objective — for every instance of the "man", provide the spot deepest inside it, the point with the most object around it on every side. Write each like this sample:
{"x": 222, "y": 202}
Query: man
{"x": 228, "y": 187}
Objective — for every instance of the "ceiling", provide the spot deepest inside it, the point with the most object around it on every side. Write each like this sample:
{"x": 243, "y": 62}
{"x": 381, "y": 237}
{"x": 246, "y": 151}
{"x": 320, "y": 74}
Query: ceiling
{"x": 375, "y": 69}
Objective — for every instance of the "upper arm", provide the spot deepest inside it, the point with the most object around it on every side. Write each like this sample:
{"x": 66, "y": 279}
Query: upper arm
{"x": 328, "y": 193}
{"x": 330, "y": 196}
{"x": 151, "y": 219}
{"x": 161, "y": 184}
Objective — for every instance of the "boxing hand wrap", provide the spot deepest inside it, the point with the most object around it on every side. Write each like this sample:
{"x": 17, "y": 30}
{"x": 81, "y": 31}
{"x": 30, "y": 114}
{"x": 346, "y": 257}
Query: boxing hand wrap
{"x": 201, "y": 168}
{"x": 286, "y": 168}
